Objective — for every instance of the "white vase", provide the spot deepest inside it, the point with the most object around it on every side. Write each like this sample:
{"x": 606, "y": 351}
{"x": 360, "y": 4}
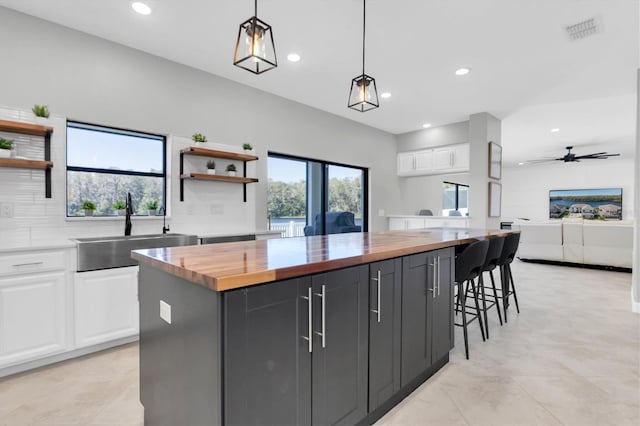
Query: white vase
{"x": 88, "y": 212}
{"x": 211, "y": 171}
{"x": 152, "y": 212}
{"x": 121, "y": 212}
{"x": 5, "y": 153}
{"x": 43, "y": 121}
{"x": 231, "y": 173}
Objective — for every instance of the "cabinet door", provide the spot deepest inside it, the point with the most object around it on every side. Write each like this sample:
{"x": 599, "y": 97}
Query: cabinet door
{"x": 414, "y": 223}
{"x": 424, "y": 161}
{"x": 442, "y": 159}
{"x": 384, "y": 330}
{"x": 340, "y": 347}
{"x": 441, "y": 305}
{"x": 32, "y": 316}
{"x": 460, "y": 157}
{"x": 406, "y": 163}
{"x": 266, "y": 356}
{"x": 106, "y": 305}
{"x": 417, "y": 280}
{"x": 397, "y": 224}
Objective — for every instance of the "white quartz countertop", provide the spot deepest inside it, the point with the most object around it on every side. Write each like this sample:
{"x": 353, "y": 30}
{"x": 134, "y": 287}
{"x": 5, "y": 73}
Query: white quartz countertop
{"x": 233, "y": 234}
{"x": 428, "y": 217}
{"x": 36, "y": 245}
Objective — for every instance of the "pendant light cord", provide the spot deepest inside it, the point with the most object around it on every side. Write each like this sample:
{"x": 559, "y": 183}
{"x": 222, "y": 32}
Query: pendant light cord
{"x": 364, "y": 28}
{"x": 255, "y": 5}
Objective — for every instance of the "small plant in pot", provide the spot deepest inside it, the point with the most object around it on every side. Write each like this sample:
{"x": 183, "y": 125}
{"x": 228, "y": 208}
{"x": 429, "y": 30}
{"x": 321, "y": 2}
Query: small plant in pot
{"x": 152, "y": 207}
{"x": 211, "y": 167}
{"x": 88, "y": 207}
{"x": 247, "y": 147}
{"x": 5, "y": 148}
{"x": 199, "y": 138}
{"x": 119, "y": 207}
{"x": 231, "y": 170}
{"x": 40, "y": 111}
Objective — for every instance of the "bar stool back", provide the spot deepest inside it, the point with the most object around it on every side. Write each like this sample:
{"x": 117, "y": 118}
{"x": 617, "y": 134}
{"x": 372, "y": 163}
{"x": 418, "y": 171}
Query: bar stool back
{"x": 494, "y": 252}
{"x": 469, "y": 265}
{"x": 509, "y": 250}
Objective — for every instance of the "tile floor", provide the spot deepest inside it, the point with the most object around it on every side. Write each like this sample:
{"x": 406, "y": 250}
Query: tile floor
{"x": 571, "y": 357}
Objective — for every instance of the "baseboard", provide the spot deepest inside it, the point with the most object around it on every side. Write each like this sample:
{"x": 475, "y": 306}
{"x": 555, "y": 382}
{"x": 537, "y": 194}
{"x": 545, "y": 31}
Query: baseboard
{"x": 577, "y": 265}
{"x": 53, "y": 359}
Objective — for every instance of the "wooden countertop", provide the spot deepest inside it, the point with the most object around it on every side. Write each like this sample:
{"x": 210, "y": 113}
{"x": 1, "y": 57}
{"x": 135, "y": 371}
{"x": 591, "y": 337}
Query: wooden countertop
{"x": 234, "y": 265}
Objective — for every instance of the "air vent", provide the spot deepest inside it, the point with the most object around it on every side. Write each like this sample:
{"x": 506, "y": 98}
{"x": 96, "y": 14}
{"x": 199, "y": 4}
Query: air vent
{"x": 582, "y": 29}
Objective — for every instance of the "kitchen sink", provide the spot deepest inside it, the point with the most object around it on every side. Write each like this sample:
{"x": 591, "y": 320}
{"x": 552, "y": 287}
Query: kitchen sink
{"x": 115, "y": 252}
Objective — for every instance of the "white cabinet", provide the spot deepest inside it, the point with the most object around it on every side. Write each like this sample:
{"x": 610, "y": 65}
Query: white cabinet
{"x": 32, "y": 316}
{"x": 440, "y": 160}
{"x": 106, "y": 305}
{"x": 405, "y": 223}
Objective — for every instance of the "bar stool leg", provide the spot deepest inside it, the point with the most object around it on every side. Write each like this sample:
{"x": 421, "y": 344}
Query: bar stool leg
{"x": 475, "y": 298}
{"x": 513, "y": 288}
{"x": 484, "y": 304}
{"x": 505, "y": 293}
{"x": 495, "y": 295}
{"x": 463, "y": 303}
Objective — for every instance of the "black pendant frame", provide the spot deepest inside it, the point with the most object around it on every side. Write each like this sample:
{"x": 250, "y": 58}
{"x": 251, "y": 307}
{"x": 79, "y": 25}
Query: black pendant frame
{"x": 364, "y": 105}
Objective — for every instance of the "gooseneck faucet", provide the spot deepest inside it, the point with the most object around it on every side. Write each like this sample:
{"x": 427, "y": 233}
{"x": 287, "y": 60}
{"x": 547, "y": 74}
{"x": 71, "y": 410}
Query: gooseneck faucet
{"x": 129, "y": 212}
{"x": 165, "y": 227}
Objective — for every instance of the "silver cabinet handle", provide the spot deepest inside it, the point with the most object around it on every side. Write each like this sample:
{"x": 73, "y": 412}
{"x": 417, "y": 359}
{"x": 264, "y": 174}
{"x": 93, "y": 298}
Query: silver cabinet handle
{"x": 27, "y": 264}
{"x": 438, "y": 275}
{"x": 433, "y": 287}
{"x": 310, "y": 338}
{"x": 379, "y": 310}
{"x": 323, "y": 334}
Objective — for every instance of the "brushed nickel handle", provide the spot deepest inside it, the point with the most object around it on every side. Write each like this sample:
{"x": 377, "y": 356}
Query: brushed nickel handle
{"x": 379, "y": 310}
{"x": 323, "y": 334}
{"x": 16, "y": 265}
{"x": 310, "y": 301}
{"x": 433, "y": 288}
{"x": 439, "y": 277}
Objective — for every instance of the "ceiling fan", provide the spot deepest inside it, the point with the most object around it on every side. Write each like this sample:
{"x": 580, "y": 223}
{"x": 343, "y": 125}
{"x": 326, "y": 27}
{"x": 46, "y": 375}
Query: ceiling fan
{"x": 570, "y": 157}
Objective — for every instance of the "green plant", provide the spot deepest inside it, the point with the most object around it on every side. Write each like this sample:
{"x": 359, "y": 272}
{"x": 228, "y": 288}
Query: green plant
{"x": 247, "y": 146}
{"x": 5, "y": 144}
{"x": 211, "y": 164}
{"x": 199, "y": 137}
{"x": 231, "y": 168}
{"x": 88, "y": 205}
{"x": 41, "y": 110}
{"x": 119, "y": 205}
{"x": 152, "y": 205}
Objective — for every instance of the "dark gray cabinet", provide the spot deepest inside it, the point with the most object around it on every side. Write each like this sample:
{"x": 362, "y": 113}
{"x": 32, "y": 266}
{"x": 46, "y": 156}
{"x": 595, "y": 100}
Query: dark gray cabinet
{"x": 385, "y": 294}
{"x": 274, "y": 375}
{"x": 426, "y": 310}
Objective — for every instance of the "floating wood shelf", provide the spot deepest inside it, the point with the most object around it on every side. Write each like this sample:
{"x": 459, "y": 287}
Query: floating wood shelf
{"x": 31, "y": 130}
{"x": 223, "y": 178}
{"x": 25, "y": 164}
{"x": 214, "y": 153}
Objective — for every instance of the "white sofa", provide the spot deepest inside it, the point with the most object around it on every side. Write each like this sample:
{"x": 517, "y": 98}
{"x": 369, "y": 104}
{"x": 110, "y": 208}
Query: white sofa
{"x": 577, "y": 241}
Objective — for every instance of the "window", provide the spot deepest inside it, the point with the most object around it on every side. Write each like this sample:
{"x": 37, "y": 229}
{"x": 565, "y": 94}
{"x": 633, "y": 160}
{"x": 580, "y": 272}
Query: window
{"x": 455, "y": 197}
{"x": 104, "y": 164}
{"x": 300, "y": 190}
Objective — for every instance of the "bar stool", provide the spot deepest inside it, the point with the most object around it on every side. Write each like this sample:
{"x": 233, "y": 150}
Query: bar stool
{"x": 469, "y": 265}
{"x": 509, "y": 250}
{"x": 494, "y": 253}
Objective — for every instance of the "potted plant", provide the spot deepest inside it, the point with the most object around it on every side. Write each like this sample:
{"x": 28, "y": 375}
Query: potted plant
{"x": 119, "y": 207}
{"x": 40, "y": 111}
{"x": 152, "y": 206}
{"x": 231, "y": 170}
{"x": 211, "y": 167}
{"x": 88, "y": 207}
{"x": 5, "y": 148}
{"x": 247, "y": 147}
{"x": 199, "y": 138}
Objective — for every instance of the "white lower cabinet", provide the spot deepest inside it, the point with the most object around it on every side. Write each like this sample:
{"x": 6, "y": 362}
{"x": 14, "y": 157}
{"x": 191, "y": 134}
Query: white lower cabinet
{"x": 106, "y": 305}
{"x": 32, "y": 316}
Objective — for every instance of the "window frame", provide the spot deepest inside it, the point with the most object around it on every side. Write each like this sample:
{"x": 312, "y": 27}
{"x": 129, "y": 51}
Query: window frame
{"x": 457, "y": 186}
{"x": 117, "y": 131}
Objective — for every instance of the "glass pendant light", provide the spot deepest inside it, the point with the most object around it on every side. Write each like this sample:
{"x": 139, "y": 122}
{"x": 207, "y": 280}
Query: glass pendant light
{"x": 364, "y": 94}
{"x": 255, "y": 50}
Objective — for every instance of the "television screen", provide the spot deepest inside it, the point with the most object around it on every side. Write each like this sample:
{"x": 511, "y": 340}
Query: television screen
{"x": 592, "y": 204}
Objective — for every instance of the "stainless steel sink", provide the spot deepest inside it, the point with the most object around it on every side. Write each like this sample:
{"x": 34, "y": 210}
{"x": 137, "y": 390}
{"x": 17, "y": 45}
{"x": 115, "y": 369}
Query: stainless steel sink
{"x": 115, "y": 252}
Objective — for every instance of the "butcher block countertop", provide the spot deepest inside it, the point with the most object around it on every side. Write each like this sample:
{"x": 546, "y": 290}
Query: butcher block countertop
{"x": 228, "y": 266}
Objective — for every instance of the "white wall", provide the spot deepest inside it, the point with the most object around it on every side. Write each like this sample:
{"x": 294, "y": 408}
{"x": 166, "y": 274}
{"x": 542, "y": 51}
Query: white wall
{"x": 525, "y": 189}
{"x": 89, "y": 79}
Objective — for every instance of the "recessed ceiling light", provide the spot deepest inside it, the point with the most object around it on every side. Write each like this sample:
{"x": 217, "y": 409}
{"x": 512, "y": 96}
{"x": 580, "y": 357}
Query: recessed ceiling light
{"x": 426, "y": 125}
{"x": 463, "y": 71}
{"x": 293, "y": 57}
{"x": 520, "y": 164}
{"x": 385, "y": 95}
{"x": 141, "y": 8}
{"x": 555, "y": 130}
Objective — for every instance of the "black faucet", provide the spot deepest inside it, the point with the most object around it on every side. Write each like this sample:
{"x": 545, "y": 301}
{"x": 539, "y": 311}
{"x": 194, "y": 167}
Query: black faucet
{"x": 129, "y": 212}
{"x": 165, "y": 228}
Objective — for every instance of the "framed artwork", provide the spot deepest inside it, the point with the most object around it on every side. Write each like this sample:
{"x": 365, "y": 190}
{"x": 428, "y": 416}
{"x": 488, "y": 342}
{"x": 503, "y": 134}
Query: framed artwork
{"x": 495, "y": 199}
{"x": 495, "y": 161}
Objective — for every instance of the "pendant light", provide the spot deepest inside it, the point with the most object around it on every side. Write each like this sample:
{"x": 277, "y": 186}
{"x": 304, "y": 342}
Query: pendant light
{"x": 255, "y": 50}
{"x": 364, "y": 95}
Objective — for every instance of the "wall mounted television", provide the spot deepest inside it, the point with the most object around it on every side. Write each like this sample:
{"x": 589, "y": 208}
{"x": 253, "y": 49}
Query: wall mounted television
{"x": 589, "y": 204}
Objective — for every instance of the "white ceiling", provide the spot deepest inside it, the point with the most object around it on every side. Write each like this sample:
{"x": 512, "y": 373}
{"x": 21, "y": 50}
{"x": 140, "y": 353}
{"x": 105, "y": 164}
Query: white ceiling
{"x": 525, "y": 70}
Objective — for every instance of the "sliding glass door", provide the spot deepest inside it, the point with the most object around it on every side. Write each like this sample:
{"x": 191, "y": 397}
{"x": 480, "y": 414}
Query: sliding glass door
{"x": 309, "y": 197}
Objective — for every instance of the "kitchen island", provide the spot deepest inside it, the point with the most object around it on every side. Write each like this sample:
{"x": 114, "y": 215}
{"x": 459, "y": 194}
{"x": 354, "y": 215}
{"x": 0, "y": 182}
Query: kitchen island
{"x": 330, "y": 329}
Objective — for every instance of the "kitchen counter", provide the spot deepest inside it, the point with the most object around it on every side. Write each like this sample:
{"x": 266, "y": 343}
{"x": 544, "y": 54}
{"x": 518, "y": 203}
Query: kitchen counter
{"x": 37, "y": 245}
{"x": 228, "y": 266}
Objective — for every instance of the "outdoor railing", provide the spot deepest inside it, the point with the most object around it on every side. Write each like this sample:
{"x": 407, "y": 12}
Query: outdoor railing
{"x": 290, "y": 229}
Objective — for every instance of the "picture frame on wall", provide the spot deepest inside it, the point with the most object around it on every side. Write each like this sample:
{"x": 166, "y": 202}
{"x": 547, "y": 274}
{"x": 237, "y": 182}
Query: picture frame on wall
{"x": 495, "y": 161}
{"x": 495, "y": 199}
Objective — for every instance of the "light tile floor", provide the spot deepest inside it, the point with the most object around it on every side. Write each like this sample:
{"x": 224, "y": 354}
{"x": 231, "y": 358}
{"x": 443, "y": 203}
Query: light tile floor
{"x": 571, "y": 357}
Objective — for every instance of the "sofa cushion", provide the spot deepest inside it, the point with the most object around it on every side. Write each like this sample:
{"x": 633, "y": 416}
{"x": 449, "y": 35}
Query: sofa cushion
{"x": 608, "y": 243}
{"x": 572, "y": 242}
{"x": 540, "y": 240}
